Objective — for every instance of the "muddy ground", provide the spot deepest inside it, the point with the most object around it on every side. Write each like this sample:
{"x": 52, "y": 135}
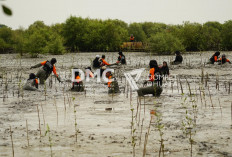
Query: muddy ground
{"x": 105, "y": 124}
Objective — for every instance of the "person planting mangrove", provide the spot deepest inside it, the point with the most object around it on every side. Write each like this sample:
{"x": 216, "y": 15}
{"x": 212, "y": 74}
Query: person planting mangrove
{"x": 77, "y": 84}
{"x": 112, "y": 84}
{"x": 214, "y": 58}
{"x": 32, "y": 83}
{"x": 96, "y": 62}
{"x": 223, "y": 60}
{"x": 121, "y": 58}
{"x": 156, "y": 79}
{"x": 45, "y": 72}
{"x": 178, "y": 59}
{"x": 164, "y": 69}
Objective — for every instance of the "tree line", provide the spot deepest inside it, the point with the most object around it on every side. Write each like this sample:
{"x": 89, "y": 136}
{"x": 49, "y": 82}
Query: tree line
{"x": 90, "y": 35}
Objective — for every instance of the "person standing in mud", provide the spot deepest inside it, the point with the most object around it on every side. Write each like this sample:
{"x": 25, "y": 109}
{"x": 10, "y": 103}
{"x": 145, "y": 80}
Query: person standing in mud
{"x": 32, "y": 83}
{"x": 214, "y": 58}
{"x": 121, "y": 58}
{"x": 45, "y": 72}
{"x": 223, "y": 60}
{"x": 178, "y": 59}
{"x": 112, "y": 85}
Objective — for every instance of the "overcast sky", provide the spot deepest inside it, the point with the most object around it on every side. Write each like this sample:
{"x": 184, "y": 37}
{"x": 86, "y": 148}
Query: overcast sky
{"x": 25, "y": 12}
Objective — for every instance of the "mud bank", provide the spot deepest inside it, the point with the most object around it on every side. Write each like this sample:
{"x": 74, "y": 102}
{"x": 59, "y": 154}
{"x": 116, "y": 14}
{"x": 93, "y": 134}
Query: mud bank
{"x": 116, "y": 125}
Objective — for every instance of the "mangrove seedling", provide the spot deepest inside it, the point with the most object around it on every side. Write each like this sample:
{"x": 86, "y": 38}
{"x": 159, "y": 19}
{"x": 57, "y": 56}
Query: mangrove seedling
{"x": 48, "y": 132}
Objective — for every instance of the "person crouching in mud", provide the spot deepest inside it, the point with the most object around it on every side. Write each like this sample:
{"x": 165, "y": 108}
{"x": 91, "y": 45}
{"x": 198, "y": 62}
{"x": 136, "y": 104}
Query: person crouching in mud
{"x": 121, "y": 58}
{"x": 214, "y": 58}
{"x": 32, "y": 83}
{"x": 45, "y": 72}
{"x": 77, "y": 85}
{"x": 112, "y": 84}
{"x": 103, "y": 64}
{"x": 155, "y": 78}
{"x": 223, "y": 60}
{"x": 178, "y": 59}
{"x": 164, "y": 69}
{"x": 96, "y": 62}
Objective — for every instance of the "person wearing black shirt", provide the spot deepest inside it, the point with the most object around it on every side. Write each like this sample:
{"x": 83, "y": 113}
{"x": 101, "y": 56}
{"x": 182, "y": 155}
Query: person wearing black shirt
{"x": 121, "y": 58}
{"x": 178, "y": 59}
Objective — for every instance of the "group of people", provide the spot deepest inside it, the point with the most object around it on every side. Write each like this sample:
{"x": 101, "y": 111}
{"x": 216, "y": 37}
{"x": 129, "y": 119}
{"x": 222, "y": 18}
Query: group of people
{"x": 220, "y": 60}
{"x": 156, "y": 73}
{"x": 49, "y": 67}
{"x": 100, "y": 62}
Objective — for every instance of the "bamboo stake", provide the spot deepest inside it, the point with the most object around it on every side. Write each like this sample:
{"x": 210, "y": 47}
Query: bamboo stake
{"x": 43, "y": 114}
{"x": 11, "y": 137}
{"x": 27, "y": 134}
{"x": 182, "y": 92}
{"x": 39, "y": 122}
{"x": 210, "y": 98}
{"x": 146, "y": 138}
{"x": 229, "y": 88}
{"x": 231, "y": 114}
{"x": 220, "y": 107}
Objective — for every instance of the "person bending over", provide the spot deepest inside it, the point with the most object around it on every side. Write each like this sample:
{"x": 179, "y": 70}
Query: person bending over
{"x": 45, "y": 72}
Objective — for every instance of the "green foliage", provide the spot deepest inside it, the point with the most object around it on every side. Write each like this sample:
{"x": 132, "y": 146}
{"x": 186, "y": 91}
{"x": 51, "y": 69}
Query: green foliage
{"x": 150, "y": 28}
{"x": 227, "y": 35}
{"x": 191, "y": 36}
{"x": 137, "y": 30}
{"x": 19, "y": 41}
{"x": 43, "y": 39}
{"x": 211, "y": 37}
{"x": 94, "y": 35}
{"x": 165, "y": 43}
{"x": 84, "y": 34}
{"x": 54, "y": 45}
{"x": 6, "y": 39}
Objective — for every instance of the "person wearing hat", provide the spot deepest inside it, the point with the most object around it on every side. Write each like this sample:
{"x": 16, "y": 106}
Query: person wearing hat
{"x": 178, "y": 59}
{"x": 96, "y": 62}
{"x": 32, "y": 83}
{"x": 214, "y": 58}
{"x": 45, "y": 72}
{"x": 121, "y": 58}
{"x": 223, "y": 60}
